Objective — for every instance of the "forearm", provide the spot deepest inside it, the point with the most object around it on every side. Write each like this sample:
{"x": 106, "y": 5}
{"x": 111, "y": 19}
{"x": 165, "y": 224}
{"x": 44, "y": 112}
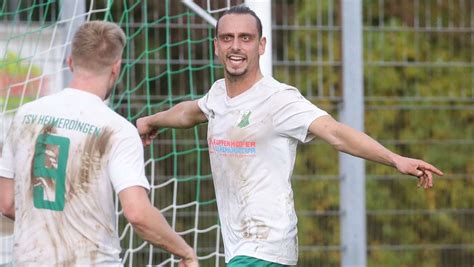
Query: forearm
{"x": 356, "y": 143}
{"x": 351, "y": 141}
{"x": 184, "y": 115}
{"x": 361, "y": 145}
{"x": 166, "y": 119}
{"x": 156, "y": 230}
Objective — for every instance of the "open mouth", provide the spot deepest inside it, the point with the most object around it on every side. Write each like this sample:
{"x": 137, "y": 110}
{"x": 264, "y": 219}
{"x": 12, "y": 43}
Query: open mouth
{"x": 234, "y": 59}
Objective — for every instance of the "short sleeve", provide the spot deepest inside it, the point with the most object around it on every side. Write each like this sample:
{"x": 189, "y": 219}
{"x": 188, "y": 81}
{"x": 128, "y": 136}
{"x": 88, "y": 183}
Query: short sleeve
{"x": 293, "y": 114}
{"x": 126, "y": 165}
{"x": 7, "y": 159}
{"x": 203, "y": 105}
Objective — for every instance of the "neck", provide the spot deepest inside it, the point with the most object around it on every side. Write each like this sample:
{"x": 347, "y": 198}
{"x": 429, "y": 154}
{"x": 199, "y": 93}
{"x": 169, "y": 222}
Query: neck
{"x": 88, "y": 82}
{"x": 236, "y": 85}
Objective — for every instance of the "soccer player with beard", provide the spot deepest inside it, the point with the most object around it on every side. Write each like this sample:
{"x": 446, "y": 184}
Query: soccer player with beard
{"x": 254, "y": 126}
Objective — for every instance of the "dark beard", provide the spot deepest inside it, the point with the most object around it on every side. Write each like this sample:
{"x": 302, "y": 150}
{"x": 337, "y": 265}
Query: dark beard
{"x": 235, "y": 77}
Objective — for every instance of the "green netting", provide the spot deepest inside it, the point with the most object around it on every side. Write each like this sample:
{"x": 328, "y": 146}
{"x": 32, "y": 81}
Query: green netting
{"x": 160, "y": 71}
{"x": 168, "y": 59}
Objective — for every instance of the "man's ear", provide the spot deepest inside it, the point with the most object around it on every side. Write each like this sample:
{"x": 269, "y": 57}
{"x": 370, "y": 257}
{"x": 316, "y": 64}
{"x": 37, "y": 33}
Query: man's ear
{"x": 215, "y": 46}
{"x": 69, "y": 63}
{"x": 116, "y": 68}
{"x": 261, "y": 46}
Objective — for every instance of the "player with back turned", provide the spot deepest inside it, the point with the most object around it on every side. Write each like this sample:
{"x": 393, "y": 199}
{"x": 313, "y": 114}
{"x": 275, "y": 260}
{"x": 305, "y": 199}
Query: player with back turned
{"x": 64, "y": 157}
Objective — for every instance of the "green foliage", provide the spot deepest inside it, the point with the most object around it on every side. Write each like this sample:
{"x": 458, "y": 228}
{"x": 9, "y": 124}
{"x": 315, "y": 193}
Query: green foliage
{"x": 416, "y": 106}
{"x": 12, "y": 64}
{"x": 14, "y": 70}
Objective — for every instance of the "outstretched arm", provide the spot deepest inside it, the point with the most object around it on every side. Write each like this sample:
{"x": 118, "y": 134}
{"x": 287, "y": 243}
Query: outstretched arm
{"x": 184, "y": 115}
{"x": 152, "y": 226}
{"x": 7, "y": 202}
{"x": 356, "y": 143}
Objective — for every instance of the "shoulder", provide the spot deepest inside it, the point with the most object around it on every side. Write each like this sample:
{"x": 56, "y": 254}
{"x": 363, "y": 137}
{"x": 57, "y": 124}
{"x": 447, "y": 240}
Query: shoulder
{"x": 218, "y": 88}
{"x": 214, "y": 95}
{"x": 37, "y": 104}
{"x": 275, "y": 89}
{"x": 280, "y": 92}
{"x": 40, "y": 102}
{"x": 275, "y": 85}
{"x": 121, "y": 126}
{"x": 122, "y": 136}
{"x": 47, "y": 102}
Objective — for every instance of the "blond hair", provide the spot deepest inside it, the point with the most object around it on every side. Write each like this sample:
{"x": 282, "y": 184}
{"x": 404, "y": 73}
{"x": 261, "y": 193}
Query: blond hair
{"x": 97, "y": 45}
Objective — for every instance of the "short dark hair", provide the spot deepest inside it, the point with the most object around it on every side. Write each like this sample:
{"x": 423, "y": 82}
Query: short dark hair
{"x": 242, "y": 10}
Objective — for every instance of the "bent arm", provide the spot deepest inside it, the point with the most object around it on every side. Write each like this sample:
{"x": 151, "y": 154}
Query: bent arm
{"x": 184, "y": 115}
{"x": 7, "y": 197}
{"x": 151, "y": 225}
{"x": 359, "y": 144}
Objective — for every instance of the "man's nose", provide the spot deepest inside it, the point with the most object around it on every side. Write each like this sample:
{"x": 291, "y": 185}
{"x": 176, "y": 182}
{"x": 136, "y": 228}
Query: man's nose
{"x": 235, "y": 44}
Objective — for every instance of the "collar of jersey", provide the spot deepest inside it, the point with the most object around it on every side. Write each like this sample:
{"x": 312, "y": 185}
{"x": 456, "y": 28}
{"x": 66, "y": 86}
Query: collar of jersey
{"x": 82, "y": 93}
{"x": 242, "y": 96}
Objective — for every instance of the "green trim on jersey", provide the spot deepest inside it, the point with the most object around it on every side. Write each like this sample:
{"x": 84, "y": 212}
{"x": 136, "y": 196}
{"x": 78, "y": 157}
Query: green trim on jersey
{"x": 246, "y": 261}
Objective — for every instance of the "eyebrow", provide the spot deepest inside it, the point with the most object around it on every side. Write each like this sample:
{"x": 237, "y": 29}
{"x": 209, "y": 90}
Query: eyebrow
{"x": 238, "y": 34}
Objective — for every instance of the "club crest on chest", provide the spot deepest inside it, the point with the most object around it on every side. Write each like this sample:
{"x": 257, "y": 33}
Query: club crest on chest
{"x": 244, "y": 118}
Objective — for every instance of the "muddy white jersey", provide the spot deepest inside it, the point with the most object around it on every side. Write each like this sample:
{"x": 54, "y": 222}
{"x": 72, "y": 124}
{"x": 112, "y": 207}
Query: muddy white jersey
{"x": 252, "y": 142}
{"x": 67, "y": 153}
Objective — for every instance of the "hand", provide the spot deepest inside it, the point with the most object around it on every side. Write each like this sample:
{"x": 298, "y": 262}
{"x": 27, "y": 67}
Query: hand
{"x": 418, "y": 168}
{"x": 147, "y": 133}
{"x": 189, "y": 262}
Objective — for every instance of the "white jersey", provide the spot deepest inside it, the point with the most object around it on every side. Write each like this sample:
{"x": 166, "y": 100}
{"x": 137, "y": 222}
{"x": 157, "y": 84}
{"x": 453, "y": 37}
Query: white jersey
{"x": 67, "y": 153}
{"x": 252, "y": 145}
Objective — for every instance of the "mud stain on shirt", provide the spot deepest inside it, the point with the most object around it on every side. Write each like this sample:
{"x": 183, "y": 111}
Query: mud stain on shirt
{"x": 53, "y": 241}
{"x": 254, "y": 229}
{"x": 89, "y": 164}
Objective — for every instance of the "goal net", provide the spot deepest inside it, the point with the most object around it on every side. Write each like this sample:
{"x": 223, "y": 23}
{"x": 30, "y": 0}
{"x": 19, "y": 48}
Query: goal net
{"x": 168, "y": 59}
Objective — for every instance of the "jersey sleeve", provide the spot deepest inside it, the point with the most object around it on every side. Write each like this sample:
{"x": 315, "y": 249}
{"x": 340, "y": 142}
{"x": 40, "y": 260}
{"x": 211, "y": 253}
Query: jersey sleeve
{"x": 7, "y": 166}
{"x": 126, "y": 165}
{"x": 293, "y": 114}
{"x": 203, "y": 105}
